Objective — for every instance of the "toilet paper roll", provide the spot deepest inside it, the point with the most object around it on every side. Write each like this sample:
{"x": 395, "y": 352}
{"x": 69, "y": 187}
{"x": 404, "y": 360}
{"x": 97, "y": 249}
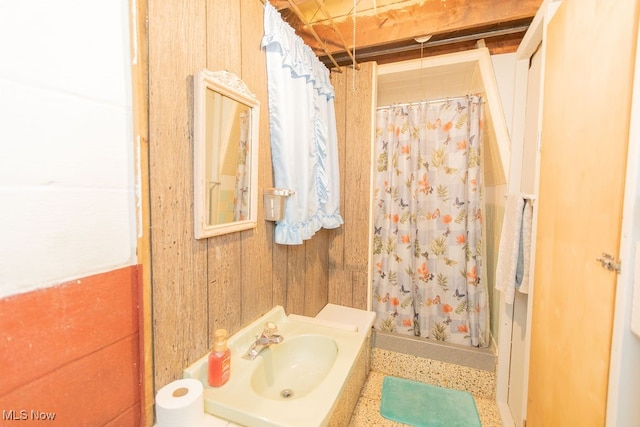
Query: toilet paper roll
{"x": 180, "y": 403}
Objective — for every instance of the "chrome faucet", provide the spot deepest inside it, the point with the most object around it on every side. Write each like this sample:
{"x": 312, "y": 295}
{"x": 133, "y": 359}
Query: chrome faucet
{"x": 264, "y": 340}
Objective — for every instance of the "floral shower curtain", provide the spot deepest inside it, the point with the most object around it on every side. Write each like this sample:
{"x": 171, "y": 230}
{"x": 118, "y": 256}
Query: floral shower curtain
{"x": 241, "y": 197}
{"x": 428, "y": 278}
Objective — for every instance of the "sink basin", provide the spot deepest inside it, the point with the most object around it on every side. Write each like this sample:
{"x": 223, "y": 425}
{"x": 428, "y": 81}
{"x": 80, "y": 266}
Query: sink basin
{"x": 295, "y": 367}
{"x": 297, "y": 382}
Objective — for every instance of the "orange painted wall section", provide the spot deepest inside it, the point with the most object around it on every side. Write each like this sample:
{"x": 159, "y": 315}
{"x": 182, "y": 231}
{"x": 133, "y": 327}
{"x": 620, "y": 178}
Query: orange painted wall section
{"x": 73, "y": 350}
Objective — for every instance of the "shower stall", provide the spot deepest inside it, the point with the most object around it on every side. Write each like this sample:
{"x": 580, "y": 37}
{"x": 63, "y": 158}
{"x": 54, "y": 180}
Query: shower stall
{"x": 442, "y": 141}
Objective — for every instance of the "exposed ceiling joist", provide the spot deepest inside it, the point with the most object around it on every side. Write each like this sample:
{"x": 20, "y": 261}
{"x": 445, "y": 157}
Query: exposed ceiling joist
{"x": 385, "y": 30}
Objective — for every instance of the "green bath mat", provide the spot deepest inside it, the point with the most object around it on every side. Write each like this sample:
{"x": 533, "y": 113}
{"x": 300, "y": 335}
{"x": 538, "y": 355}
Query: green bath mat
{"x": 424, "y": 405}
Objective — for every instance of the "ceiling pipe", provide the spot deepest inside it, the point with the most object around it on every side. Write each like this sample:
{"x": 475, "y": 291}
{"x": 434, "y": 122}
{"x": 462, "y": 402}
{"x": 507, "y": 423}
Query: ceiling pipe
{"x": 451, "y": 40}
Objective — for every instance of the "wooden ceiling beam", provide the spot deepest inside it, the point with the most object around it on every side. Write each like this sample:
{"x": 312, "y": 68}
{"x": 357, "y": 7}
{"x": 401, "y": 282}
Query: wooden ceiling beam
{"x": 284, "y": 4}
{"x": 426, "y": 17}
{"x": 311, "y": 30}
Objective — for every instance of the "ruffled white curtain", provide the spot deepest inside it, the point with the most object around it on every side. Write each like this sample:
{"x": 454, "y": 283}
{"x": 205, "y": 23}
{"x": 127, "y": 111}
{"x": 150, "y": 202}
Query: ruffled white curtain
{"x": 304, "y": 147}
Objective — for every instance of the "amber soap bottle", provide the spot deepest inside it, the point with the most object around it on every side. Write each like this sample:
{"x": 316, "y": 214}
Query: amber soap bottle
{"x": 219, "y": 359}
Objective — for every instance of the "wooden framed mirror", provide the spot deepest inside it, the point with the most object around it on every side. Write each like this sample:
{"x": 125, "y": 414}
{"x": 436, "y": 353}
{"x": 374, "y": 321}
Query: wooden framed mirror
{"x": 226, "y": 119}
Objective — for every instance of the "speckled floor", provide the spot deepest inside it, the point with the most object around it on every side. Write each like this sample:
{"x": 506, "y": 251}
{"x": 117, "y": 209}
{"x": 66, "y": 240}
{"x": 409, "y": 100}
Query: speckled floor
{"x": 367, "y": 412}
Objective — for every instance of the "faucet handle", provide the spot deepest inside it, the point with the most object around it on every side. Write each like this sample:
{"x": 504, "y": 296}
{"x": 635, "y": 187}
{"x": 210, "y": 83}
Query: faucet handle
{"x": 270, "y": 328}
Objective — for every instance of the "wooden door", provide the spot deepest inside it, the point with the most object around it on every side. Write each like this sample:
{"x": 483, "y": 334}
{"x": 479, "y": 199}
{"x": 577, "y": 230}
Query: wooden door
{"x": 587, "y": 98}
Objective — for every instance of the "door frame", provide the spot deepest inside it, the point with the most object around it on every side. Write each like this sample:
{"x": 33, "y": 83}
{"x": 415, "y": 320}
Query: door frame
{"x": 532, "y": 43}
{"x": 625, "y": 346}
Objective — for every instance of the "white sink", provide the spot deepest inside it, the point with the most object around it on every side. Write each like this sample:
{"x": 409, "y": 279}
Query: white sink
{"x": 293, "y": 368}
{"x": 291, "y": 384}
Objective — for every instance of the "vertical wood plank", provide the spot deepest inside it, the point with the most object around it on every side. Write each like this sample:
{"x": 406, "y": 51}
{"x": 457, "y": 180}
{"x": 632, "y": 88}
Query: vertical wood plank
{"x": 316, "y": 275}
{"x": 340, "y": 287}
{"x": 279, "y": 266}
{"x": 224, "y": 36}
{"x": 177, "y": 31}
{"x": 224, "y": 253}
{"x": 225, "y": 285}
{"x": 339, "y": 82}
{"x": 339, "y": 291}
{"x": 359, "y": 124}
{"x": 279, "y": 253}
{"x": 295, "y": 279}
{"x": 360, "y": 285}
{"x": 349, "y": 250}
{"x": 257, "y": 288}
{"x": 140, "y": 96}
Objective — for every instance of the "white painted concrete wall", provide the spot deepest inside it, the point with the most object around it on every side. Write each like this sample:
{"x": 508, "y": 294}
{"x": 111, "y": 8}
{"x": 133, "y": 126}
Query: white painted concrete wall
{"x": 67, "y": 186}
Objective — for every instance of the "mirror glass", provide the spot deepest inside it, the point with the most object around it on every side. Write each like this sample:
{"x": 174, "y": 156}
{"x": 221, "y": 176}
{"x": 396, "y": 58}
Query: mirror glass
{"x": 226, "y": 118}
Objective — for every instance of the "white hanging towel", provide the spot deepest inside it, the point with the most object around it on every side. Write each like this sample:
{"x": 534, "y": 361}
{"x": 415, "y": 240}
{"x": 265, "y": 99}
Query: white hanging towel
{"x": 635, "y": 305}
{"x": 509, "y": 246}
{"x": 525, "y": 256}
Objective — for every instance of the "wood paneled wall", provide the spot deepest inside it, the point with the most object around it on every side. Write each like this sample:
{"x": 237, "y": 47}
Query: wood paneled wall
{"x": 349, "y": 252}
{"x": 229, "y": 281}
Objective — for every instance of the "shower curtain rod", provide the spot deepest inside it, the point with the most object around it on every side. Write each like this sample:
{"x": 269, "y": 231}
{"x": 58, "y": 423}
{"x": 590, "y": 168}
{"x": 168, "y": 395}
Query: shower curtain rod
{"x": 429, "y": 101}
{"x": 293, "y": 6}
